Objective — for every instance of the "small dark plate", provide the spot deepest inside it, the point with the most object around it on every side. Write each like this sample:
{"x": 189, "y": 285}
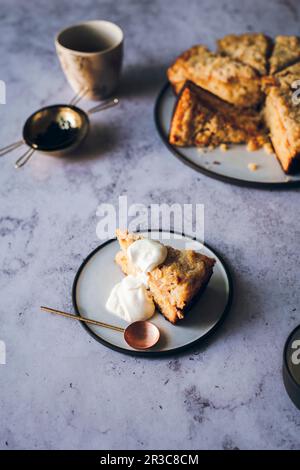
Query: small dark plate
{"x": 56, "y": 128}
{"x": 99, "y": 273}
{"x": 291, "y": 366}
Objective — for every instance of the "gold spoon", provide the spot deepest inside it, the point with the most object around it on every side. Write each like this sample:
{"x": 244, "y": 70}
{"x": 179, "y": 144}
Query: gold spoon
{"x": 138, "y": 335}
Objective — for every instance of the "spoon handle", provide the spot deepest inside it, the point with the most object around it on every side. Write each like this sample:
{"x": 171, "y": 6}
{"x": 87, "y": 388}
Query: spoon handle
{"x": 11, "y": 147}
{"x": 106, "y": 105}
{"x": 80, "y": 318}
{"x": 81, "y": 93}
{"x": 24, "y": 158}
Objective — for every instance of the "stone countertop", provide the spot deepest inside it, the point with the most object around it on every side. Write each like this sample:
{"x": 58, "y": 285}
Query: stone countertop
{"x": 60, "y": 388}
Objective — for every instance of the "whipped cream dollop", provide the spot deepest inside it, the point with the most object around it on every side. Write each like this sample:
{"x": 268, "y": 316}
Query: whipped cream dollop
{"x": 130, "y": 300}
{"x": 146, "y": 254}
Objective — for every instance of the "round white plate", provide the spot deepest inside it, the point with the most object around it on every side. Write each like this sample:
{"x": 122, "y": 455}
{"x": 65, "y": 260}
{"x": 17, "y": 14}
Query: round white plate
{"x": 231, "y": 166}
{"x": 98, "y": 274}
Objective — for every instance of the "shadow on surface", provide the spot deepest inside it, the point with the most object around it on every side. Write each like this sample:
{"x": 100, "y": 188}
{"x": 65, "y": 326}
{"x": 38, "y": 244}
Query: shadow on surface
{"x": 101, "y": 139}
{"x": 142, "y": 80}
{"x": 240, "y": 313}
{"x": 137, "y": 81}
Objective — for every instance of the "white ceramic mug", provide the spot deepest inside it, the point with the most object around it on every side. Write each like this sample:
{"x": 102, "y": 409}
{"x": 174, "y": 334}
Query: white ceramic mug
{"x": 91, "y": 56}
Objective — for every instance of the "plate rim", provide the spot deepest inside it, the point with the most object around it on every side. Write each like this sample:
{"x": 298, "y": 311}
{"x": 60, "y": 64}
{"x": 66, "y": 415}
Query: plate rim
{"x": 205, "y": 171}
{"x": 285, "y": 359}
{"x": 153, "y": 354}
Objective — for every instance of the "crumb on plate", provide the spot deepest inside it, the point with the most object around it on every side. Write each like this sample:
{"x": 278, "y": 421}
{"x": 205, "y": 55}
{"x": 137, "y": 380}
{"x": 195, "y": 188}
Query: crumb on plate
{"x": 252, "y": 166}
{"x": 268, "y": 148}
{"x": 224, "y": 147}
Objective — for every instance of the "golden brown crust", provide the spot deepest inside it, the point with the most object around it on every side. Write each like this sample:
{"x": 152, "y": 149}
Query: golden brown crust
{"x": 286, "y": 51}
{"x": 283, "y": 119}
{"x": 176, "y": 282}
{"x": 126, "y": 238}
{"x": 227, "y": 78}
{"x": 203, "y": 119}
{"x": 288, "y": 76}
{"x": 250, "y": 48}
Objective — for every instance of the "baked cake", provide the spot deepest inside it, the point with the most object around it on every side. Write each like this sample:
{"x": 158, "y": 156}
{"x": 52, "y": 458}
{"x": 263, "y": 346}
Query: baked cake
{"x": 282, "y": 117}
{"x": 286, "y": 52}
{"x": 176, "y": 282}
{"x": 250, "y": 48}
{"x": 288, "y": 76}
{"x": 240, "y": 94}
{"x": 202, "y": 119}
{"x": 225, "y": 77}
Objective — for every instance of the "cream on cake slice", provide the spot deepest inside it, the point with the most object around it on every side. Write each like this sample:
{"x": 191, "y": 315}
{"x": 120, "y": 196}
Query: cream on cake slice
{"x": 175, "y": 282}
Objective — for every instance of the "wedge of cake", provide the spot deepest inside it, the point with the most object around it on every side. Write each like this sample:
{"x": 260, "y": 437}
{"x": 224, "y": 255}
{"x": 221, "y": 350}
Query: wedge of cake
{"x": 176, "y": 282}
{"x": 288, "y": 76}
{"x": 225, "y": 77}
{"x": 202, "y": 119}
{"x": 286, "y": 52}
{"x": 282, "y": 117}
{"x": 250, "y": 48}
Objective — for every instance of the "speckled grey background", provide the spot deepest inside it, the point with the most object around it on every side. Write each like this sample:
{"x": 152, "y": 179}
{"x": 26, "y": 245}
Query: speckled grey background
{"x": 59, "y": 388}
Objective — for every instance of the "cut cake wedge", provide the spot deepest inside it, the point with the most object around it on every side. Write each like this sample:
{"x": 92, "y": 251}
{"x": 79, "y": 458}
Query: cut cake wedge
{"x": 225, "y": 77}
{"x": 250, "y": 48}
{"x": 202, "y": 119}
{"x": 176, "y": 282}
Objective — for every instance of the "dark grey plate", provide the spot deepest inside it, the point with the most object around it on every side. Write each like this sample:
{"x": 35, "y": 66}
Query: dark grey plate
{"x": 98, "y": 274}
{"x": 230, "y": 166}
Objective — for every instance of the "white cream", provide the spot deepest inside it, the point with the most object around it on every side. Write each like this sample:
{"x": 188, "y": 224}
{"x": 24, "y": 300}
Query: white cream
{"x": 130, "y": 300}
{"x": 146, "y": 254}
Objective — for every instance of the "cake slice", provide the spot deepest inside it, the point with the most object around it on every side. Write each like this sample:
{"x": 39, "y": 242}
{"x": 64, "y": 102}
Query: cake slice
{"x": 250, "y": 48}
{"x": 175, "y": 283}
{"x": 288, "y": 76}
{"x": 282, "y": 117}
{"x": 202, "y": 119}
{"x": 286, "y": 52}
{"x": 225, "y": 77}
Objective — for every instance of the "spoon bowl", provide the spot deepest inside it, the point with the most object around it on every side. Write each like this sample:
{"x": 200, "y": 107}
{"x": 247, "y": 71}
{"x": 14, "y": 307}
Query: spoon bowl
{"x": 141, "y": 335}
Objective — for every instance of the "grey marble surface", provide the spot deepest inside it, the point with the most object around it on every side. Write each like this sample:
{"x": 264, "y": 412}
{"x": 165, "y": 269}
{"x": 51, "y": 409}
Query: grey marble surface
{"x": 61, "y": 389}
